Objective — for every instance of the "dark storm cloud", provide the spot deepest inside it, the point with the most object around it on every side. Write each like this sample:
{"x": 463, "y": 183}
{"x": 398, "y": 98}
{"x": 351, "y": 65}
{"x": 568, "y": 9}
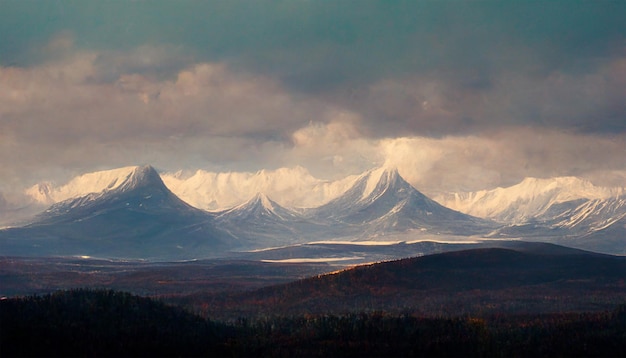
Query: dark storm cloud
{"x": 586, "y": 102}
{"x": 275, "y": 82}
{"x": 324, "y": 44}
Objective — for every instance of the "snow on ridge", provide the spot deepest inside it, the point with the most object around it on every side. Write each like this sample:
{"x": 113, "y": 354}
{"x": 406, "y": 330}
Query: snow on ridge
{"x": 529, "y": 198}
{"x": 384, "y": 175}
{"x": 595, "y": 214}
{"x": 374, "y": 177}
{"x": 567, "y": 188}
{"x": 82, "y": 185}
{"x": 266, "y": 203}
{"x": 260, "y": 200}
{"x": 295, "y": 187}
{"x": 214, "y": 191}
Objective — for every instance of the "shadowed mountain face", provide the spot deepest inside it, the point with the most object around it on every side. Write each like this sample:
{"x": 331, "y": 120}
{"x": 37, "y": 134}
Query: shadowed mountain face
{"x": 261, "y": 222}
{"x": 598, "y": 225}
{"x": 565, "y": 210}
{"x": 139, "y": 218}
{"x": 530, "y": 199}
{"x": 258, "y": 208}
{"x": 382, "y": 201}
{"x": 142, "y": 191}
{"x": 379, "y": 202}
{"x": 134, "y": 215}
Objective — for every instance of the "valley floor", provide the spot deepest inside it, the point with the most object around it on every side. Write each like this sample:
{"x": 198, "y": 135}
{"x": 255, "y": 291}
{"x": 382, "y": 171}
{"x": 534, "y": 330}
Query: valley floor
{"x": 530, "y": 300}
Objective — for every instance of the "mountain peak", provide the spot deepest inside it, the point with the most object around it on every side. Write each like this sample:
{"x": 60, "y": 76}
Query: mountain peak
{"x": 391, "y": 176}
{"x": 136, "y": 188}
{"x": 140, "y": 176}
{"x": 262, "y": 200}
{"x": 260, "y": 203}
{"x": 385, "y": 202}
{"x": 382, "y": 179}
{"x": 258, "y": 206}
{"x": 123, "y": 179}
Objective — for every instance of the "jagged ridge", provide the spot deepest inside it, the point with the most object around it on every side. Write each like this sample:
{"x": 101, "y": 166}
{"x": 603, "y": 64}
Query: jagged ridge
{"x": 529, "y": 199}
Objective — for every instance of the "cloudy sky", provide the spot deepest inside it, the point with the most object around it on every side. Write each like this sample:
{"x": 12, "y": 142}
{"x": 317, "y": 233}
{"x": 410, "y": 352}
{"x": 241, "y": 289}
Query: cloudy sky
{"x": 459, "y": 95}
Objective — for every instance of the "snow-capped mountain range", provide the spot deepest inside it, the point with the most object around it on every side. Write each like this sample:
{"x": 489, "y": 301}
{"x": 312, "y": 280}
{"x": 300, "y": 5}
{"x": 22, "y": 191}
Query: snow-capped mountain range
{"x": 297, "y": 188}
{"x": 379, "y": 203}
{"x": 135, "y": 216}
{"x": 212, "y": 191}
{"x": 292, "y": 187}
{"x": 531, "y": 198}
{"x": 132, "y": 212}
{"x": 565, "y": 210}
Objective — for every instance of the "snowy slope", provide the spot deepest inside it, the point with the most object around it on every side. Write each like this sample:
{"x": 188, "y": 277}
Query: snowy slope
{"x": 292, "y": 187}
{"x": 591, "y": 215}
{"x": 258, "y": 208}
{"x": 96, "y": 182}
{"x": 136, "y": 217}
{"x": 590, "y": 224}
{"x": 140, "y": 188}
{"x": 529, "y": 199}
{"x": 608, "y": 238}
{"x": 133, "y": 205}
{"x": 382, "y": 201}
{"x": 261, "y": 223}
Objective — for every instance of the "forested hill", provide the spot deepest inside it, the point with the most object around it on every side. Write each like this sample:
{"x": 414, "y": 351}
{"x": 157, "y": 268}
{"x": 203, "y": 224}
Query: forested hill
{"x": 109, "y": 323}
{"x": 102, "y": 323}
{"x": 479, "y": 281}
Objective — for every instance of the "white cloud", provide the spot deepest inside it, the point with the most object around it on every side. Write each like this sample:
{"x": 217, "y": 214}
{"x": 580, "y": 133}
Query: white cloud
{"x": 333, "y": 149}
{"x": 63, "y": 114}
{"x": 334, "y": 134}
{"x": 500, "y": 158}
{"x": 84, "y": 111}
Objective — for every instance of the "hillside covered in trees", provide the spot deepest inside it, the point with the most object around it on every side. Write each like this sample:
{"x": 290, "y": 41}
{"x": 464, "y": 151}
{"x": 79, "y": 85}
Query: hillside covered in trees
{"x": 539, "y": 278}
{"x": 109, "y": 323}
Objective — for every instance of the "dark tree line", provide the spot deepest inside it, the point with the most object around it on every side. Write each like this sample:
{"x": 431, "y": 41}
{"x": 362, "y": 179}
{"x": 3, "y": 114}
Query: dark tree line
{"x": 109, "y": 323}
{"x": 102, "y": 323}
